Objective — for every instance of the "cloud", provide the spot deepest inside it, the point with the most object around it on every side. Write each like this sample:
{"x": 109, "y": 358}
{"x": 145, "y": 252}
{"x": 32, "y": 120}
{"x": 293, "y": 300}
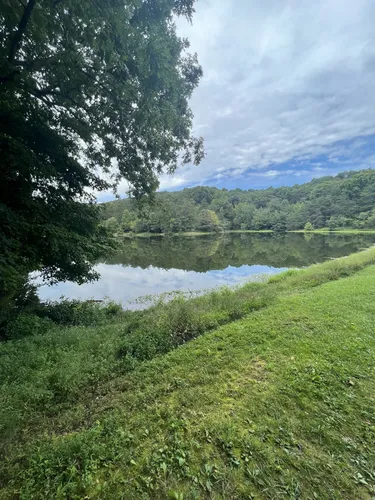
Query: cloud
{"x": 271, "y": 173}
{"x": 285, "y": 81}
{"x": 171, "y": 181}
{"x": 124, "y": 284}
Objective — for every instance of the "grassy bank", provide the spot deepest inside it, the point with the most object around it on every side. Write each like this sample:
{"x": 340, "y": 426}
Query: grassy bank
{"x": 274, "y": 405}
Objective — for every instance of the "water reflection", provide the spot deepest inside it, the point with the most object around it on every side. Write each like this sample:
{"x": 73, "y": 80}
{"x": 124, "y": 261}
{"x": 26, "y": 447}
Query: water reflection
{"x": 125, "y": 284}
{"x": 206, "y": 253}
{"x": 148, "y": 266}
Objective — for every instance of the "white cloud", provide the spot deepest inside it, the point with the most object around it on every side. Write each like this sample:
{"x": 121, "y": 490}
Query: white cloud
{"x": 124, "y": 284}
{"x": 171, "y": 181}
{"x": 283, "y": 80}
{"x": 271, "y": 173}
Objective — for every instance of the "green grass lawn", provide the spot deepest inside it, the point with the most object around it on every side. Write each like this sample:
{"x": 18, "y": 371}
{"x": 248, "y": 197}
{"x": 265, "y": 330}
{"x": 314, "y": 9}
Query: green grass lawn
{"x": 278, "y": 404}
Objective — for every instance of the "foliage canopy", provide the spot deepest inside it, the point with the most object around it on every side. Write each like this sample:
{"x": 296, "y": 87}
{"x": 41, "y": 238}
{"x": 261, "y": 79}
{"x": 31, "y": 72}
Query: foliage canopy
{"x": 344, "y": 201}
{"x": 91, "y": 93}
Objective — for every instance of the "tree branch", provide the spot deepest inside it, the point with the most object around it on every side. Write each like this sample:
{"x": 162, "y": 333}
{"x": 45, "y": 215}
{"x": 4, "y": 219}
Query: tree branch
{"x": 16, "y": 39}
{"x": 7, "y": 78}
{"x": 36, "y": 64}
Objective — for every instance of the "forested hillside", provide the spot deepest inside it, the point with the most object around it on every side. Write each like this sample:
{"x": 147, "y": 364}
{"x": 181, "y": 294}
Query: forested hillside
{"x": 344, "y": 201}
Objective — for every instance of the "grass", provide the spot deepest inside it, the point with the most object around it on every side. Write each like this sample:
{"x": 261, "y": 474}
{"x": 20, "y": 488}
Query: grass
{"x": 276, "y": 404}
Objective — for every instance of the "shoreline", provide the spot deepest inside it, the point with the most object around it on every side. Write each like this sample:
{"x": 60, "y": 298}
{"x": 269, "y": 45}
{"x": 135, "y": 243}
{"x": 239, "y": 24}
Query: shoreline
{"x": 245, "y": 231}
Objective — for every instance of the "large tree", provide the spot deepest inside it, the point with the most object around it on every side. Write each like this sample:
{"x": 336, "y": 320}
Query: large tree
{"x": 91, "y": 92}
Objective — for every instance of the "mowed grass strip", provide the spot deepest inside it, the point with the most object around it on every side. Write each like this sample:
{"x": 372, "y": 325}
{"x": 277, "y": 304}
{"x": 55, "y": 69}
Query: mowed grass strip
{"x": 279, "y": 404}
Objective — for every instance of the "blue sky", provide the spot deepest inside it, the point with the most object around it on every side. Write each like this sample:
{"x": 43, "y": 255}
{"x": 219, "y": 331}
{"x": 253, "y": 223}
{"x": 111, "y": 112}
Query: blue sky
{"x": 288, "y": 92}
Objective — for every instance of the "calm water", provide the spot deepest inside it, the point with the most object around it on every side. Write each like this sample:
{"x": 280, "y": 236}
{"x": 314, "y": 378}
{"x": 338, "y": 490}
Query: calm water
{"x": 149, "y": 266}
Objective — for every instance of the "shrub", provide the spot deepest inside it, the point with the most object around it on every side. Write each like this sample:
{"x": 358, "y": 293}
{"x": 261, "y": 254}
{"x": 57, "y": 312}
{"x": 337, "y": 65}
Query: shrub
{"x": 37, "y": 318}
{"x": 112, "y": 309}
{"x": 308, "y": 227}
{"x": 75, "y": 312}
{"x": 168, "y": 325}
{"x": 26, "y": 325}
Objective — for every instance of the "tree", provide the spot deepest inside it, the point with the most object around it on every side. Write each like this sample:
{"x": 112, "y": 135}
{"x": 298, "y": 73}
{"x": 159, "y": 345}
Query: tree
{"x": 296, "y": 217}
{"x": 128, "y": 221}
{"x": 224, "y": 210}
{"x": 90, "y": 93}
{"x": 370, "y": 222}
{"x": 111, "y": 225}
{"x": 203, "y": 195}
{"x": 279, "y": 222}
{"x": 244, "y": 213}
{"x": 263, "y": 219}
{"x": 308, "y": 227}
{"x": 183, "y": 217}
{"x": 323, "y": 202}
{"x": 156, "y": 222}
{"x": 208, "y": 221}
{"x": 336, "y": 222}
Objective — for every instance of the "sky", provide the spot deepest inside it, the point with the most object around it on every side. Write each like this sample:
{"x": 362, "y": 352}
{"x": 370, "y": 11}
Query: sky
{"x": 288, "y": 91}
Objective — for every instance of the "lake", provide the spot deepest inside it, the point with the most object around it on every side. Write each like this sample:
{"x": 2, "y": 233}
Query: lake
{"x": 155, "y": 265}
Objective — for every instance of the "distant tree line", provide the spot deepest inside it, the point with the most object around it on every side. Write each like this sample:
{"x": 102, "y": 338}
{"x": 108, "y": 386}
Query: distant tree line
{"x": 344, "y": 201}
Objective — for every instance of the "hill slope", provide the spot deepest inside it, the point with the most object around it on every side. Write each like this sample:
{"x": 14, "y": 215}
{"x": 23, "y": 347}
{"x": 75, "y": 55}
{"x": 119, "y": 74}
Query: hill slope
{"x": 276, "y": 405}
{"x": 346, "y": 200}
